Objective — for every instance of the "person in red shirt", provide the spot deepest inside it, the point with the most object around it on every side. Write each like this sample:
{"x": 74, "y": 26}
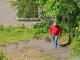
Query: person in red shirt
{"x": 55, "y": 30}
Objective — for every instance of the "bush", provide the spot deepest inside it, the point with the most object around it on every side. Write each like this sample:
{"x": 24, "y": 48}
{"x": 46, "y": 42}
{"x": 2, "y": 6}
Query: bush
{"x": 42, "y": 27}
{"x": 76, "y": 47}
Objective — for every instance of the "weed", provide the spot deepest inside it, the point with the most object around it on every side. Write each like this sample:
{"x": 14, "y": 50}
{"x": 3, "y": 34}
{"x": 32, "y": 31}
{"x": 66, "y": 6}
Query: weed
{"x": 2, "y": 56}
{"x": 48, "y": 57}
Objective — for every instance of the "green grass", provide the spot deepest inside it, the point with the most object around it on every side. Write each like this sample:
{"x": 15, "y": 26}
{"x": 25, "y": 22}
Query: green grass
{"x": 2, "y": 56}
{"x": 14, "y": 35}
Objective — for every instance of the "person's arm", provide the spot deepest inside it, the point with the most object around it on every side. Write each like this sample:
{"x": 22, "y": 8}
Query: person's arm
{"x": 50, "y": 30}
{"x": 60, "y": 31}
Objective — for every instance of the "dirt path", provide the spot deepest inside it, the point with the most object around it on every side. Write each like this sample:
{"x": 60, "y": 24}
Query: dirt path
{"x": 42, "y": 45}
{"x": 47, "y": 46}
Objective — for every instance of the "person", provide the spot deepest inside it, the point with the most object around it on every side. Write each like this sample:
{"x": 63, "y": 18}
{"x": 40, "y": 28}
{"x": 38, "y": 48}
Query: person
{"x": 55, "y": 30}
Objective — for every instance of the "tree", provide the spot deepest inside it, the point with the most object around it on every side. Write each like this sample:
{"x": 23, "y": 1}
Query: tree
{"x": 69, "y": 9}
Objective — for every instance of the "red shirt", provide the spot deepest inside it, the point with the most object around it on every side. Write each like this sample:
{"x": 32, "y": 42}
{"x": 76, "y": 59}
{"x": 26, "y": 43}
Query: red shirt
{"x": 55, "y": 30}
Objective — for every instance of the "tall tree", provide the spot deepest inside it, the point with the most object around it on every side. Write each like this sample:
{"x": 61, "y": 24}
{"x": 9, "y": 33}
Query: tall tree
{"x": 62, "y": 10}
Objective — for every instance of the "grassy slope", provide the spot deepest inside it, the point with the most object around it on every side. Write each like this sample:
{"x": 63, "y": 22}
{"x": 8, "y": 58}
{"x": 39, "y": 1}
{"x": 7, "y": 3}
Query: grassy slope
{"x": 14, "y": 35}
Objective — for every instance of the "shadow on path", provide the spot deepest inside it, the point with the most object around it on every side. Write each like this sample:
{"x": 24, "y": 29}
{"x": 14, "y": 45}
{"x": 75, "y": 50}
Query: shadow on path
{"x": 68, "y": 43}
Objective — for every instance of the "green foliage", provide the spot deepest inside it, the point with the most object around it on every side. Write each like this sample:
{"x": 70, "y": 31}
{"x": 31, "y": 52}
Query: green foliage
{"x": 2, "y": 56}
{"x": 25, "y": 8}
{"x": 59, "y": 8}
{"x": 76, "y": 47}
{"x": 78, "y": 3}
{"x": 1, "y": 27}
{"x": 76, "y": 42}
{"x": 14, "y": 34}
{"x": 41, "y": 2}
{"x": 64, "y": 27}
{"x": 42, "y": 27}
{"x": 8, "y": 29}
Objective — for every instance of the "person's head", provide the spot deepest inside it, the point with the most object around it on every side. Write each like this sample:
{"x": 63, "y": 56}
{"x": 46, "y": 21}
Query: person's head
{"x": 55, "y": 23}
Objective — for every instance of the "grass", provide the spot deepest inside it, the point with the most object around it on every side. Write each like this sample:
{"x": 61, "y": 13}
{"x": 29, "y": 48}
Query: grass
{"x": 14, "y": 35}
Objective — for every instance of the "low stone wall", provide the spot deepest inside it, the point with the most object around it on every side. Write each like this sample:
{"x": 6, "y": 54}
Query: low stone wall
{"x": 28, "y": 22}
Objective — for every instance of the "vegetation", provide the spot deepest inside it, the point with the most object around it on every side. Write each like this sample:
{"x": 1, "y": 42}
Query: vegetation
{"x": 14, "y": 34}
{"x": 2, "y": 56}
{"x": 64, "y": 12}
{"x": 42, "y": 27}
{"x": 25, "y": 8}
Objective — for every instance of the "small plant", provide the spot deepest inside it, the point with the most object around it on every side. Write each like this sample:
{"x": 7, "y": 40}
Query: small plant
{"x": 1, "y": 27}
{"x": 2, "y": 56}
{"x": 8, "y": 29}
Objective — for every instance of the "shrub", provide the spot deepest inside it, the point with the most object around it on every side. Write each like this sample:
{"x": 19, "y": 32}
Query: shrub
{"x": 42, "y": 27}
